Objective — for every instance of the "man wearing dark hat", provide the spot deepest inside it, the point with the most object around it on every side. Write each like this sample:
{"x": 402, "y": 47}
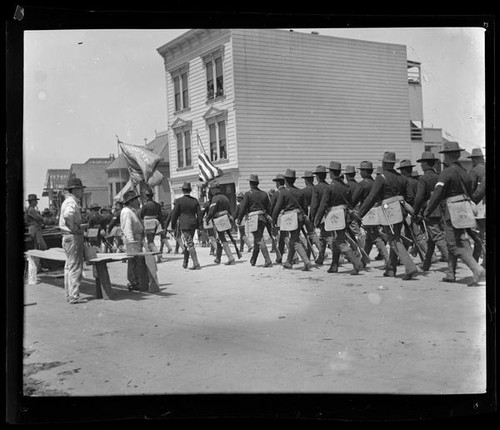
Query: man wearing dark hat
{"x": 373, "y": 234}
{"x": 220, "y": 207}
{"x": 454, "y": 186}
{"x": 70, "y": 224}
{"x": 434, "y": 224}
{"x": 241, "y": 227}
{"x": 187, "y": 211}
{"x": 114, "y": 229}
{"x": 152, "y": 219}
{"x": 317, "y": 194}
{"x": 291, "y": 203}
{"x": 478, "y": 177}
{"x": 353, "y": 185}
{"x": 390, "y": 190}
{"x": 308, "y": 223}
{"x": 94, "y": 222}
{"x": 406, "y": 170}
{"x": 255, "y": 205}
{"x": 281, "y": 236}
{"x": 337, "y": 196}
{"x": 106, "y": 218}
{"x": 34, "y": 221}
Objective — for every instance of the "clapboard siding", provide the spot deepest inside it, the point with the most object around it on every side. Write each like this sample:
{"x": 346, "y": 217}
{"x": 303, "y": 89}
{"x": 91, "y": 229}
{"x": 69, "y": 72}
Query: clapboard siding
{"x": 302, "y": 100}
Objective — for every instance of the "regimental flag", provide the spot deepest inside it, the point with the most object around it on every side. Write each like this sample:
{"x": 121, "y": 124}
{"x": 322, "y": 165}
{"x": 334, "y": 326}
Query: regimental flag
{"x": 207, "y": 171}
{"x": 141, "y": 162}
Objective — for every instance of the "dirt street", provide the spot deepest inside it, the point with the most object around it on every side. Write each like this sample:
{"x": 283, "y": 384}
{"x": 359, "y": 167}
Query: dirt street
{"x": 244, "y": 329}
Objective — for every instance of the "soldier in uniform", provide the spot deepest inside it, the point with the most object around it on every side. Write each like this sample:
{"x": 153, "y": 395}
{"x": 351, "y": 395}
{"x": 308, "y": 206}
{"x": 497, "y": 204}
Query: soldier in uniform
{"x": 373, "y": 234}
{"x": 336, "y": 195}
{"x": 434, "y": 224}
{"x": 255, "y": 205}
{"x": 281, "y": 236}
{"x": 187, "y": 212}
{"x": 308, "y": 221}
{"x": 454, "y": 186}
{"x": 106, "y": 218}
{"x": 353, "y": 185}
{"x": 390, "y": 189}
{"x": 241, "y": 227}
{"x": 478, "y": 178}
{"x": 95, "y": 223}
{"x": 208, "y": 226}
{"x": 220, "y": 207}
{"x": 317, "y": 194}
{"x": 114, "y": 229}
{"x": 152, "y": 218}
{"x": 34, "y": 221}
{"x": 406, "y": 170}
{"x": 291, "y": 203}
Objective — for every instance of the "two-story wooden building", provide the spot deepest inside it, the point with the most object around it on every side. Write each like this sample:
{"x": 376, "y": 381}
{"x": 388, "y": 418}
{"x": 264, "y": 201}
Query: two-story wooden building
{"x": 264, "y": 100}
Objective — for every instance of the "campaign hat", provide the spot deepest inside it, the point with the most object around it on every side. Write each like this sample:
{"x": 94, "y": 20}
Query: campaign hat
{"x": 335, "y": 165}
{"x": 32, "y": 197}
{"x": 366, "y": 165}
{"x": 405, "y": 163}
{"x": 253, "y": 178}
{"x": 186, "y": 186}
{"x": 279, "y": 177}
{"x": 308, "y": 174}
{"x": 389, "y": 157}
{"x": 74, "y": 183}
{"x": 350, "y": 169}
{"x": 95, "y": 206}
{"x": 130, "y": 195}
{"x": 290, "y": 173}
{"x": 450, "y": 147}
{"x": 320, "y": 169}
{"x": 476, "y": 152}
{"x": 427, "y": 155}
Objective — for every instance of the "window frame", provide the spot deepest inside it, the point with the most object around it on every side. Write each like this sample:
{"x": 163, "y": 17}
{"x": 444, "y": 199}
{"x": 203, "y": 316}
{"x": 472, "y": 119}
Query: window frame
{"x": 210, "y": 63}
{"x": 184, "y": 150}
{"x": 214, "y": 123}
{"x": 184, "y": 92}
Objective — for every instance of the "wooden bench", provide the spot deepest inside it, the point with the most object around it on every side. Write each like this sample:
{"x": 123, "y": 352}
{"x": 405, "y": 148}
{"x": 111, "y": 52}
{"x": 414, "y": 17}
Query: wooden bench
{"x": 100, "y": 264}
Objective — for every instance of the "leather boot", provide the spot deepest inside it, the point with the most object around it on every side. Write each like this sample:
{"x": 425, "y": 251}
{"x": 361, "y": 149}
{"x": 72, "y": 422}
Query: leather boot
{"x": 218, "y": 253}
{"x": 477, "y": 270}
{"x": 351, "y": 256}
{"x": 186, "y": 259}
{"x": 334, "y": 265}
{"x": 303, "y": 255}
{"x": 242, "y": 243}
{"x": 452, "y": 267}
{"x": 255, "y": 254}
{"x": 229, "y": 254}
{"x": 407, "y": 261}
{"x": 265, "y": 253}
{"x": 194, "y": 257}
{"x": 321, "y": 253}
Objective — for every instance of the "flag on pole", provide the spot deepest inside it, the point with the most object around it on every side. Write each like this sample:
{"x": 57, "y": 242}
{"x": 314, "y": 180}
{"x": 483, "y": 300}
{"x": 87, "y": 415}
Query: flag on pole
{"x": 141, "y": 162}
{"x": 207, "y": 171}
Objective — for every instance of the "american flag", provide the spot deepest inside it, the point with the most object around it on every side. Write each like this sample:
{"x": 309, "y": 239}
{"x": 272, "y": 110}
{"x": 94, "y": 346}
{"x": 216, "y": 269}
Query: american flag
{"x": 207, "y": 171}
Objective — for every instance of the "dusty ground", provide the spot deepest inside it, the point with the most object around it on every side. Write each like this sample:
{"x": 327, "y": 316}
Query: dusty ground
{"x": 243, "y": 329}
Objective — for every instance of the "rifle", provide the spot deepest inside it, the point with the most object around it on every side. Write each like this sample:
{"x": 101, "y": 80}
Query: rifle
{"x": 238, "y": 253}
{"x": 274, "y": 241}
{"x": 351, "y": 237}
{"x": 420, "y": 251}
{"x": 309, "y": 244}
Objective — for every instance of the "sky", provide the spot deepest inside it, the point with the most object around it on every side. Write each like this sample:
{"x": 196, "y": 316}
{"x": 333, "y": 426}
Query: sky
{"x": 83, "y": 88}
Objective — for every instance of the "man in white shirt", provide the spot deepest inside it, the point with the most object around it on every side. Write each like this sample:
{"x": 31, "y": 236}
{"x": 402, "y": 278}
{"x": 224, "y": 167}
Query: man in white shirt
{"x": 70, "y": 223}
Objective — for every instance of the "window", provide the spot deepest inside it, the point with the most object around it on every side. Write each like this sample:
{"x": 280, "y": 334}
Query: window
{"x": 181, "y": 92}
{"x": 184, "y": 158}
{"x": 214, "y": 74}
{"x": 218, "y": 145}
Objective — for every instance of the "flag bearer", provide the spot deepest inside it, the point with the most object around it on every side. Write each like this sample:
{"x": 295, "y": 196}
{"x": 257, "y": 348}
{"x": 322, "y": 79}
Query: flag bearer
{"x": 255, "y": 205}
{"x": 187, "y": 212}
{"x": 390, "y": 189}
{"x": 336, "y": 200}
{"x": 454, "y": 188}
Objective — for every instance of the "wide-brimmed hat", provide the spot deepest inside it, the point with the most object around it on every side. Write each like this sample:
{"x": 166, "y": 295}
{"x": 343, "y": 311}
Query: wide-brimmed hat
{"x": 290, "y": 173}
{"x": 253, "y": 178}
{"x": 450, "y": 147}
{"x": 32, "y": 197}
{"x": 95, "y": 206}
{"x": 130, "y": 195}
{"x": 279, "y": 177}
{"x": 350, "y": 169}
{"x": 476, "y": 152}
{"x": 405, "y": 163}
{"x": 427, "y": 155}
{"x": 335, "y": 165}
{"x": 366, "y": 165}
{"x": 320, "y": 169}
{"x": 74, "y": 183}
{"x": 308, "y": 174}
{"x": 389, "y": 157}
{"x": 186, "y": 186}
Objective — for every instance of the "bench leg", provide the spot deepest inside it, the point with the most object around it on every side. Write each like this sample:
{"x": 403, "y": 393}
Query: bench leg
{"x": 152, "y": 273}
{"x": 102, "y": 282}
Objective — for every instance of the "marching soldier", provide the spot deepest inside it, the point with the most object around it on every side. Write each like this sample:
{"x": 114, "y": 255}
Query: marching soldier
{"x": 353, "y": 185}
{"x": 390, "y": 189}
{"x": 478, "y": 177}
{"x": 218, "y": 212}
{"x": 406, "y": 169}
{"x": 434, "y": 225}
{"x": 370, "y": 224}
{"x": 209, "y": 226}
{"x": 333, "y": 209}
{"x": 291, "y": 203}
{"x": 308, "y": 223}
{"x": 241, "y": 227}
{"x": 454, "y": 188}
{"x": 152, "y": 217}
{"x": 114, "y": 229}
{"x": 255, "y": 206}
{"x": 281, "y": 236}
{"x": 34, "y": 221}
{"x": 317, "y": 194}
{"x": 188, "y": 212}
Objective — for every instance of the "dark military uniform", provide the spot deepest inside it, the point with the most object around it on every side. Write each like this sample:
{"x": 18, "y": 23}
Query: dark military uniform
{"x": 241, "y": 227}
{"x": 478, "y": 178}
{"x": 256, "y": 204}
{"x": 151, "y": 210}
{"x": 280, "y": 236}
{"x": 337, "y": 194}
{"x": 317, "y": 194}
{"x": 187, "y": 212}
{"x": 454, "y": 181}
{"x": 308, "y": 191}
{"x": 291, "y": 199}
{"x": 435, "y": 230}
{"x": 390, "y": 184}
